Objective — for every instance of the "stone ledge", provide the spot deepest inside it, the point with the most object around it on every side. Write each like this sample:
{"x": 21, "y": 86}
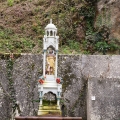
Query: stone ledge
{"x": 48, "y": 118}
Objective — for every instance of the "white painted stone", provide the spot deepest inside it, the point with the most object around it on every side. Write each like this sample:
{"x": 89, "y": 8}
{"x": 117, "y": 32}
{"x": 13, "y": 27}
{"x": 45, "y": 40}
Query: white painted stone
{"x": 50, "y": 63}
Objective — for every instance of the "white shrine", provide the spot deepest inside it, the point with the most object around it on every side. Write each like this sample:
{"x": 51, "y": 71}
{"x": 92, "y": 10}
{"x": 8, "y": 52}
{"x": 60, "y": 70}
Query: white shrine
{"x": 50, "y": 82}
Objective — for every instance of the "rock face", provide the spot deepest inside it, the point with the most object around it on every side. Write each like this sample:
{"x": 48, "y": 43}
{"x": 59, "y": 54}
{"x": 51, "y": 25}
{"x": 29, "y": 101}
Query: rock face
{"x": 25, "y": 75}
{"x": 85, "y": 77}
{"x": 19, "y": 85}
{"x": 110, "y": 11}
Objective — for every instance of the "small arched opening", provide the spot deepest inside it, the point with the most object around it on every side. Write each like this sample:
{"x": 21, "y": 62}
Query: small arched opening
{"x": 49, "y": 99}
{"x": 51, "y": 33}
{"x": 47, "y": 33}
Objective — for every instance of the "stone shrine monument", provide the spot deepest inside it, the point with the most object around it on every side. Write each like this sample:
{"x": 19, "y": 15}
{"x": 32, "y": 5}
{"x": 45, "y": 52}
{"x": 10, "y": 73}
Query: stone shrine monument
{"x": 50, "y": 85}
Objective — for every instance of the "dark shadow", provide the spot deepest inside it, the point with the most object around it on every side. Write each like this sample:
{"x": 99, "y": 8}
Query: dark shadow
{"x": 63, "y": 110}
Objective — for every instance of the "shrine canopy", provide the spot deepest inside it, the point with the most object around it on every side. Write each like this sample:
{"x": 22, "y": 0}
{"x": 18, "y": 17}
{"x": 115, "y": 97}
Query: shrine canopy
{"x": 50, "y": 29}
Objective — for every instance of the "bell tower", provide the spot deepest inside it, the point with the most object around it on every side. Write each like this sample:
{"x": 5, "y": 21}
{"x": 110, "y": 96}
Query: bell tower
{"x": 50, "y": 85}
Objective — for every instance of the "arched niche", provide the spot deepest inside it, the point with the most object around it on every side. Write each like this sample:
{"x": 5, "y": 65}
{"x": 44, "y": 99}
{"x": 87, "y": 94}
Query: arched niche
{"x": 50, "y": 48}
{"x": 49, "y": 99}
{"x": 50, "y": 61}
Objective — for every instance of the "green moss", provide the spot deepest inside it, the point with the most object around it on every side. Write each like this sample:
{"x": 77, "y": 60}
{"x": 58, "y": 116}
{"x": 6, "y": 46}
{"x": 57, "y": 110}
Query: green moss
{"x": 10, "y": 2}
{"x": 48, "y": 102}
{"x": 7, "y": 56}
{"x": 11, "y": 89}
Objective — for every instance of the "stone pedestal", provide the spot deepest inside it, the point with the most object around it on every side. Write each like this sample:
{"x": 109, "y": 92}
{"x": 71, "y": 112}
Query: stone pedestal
{"x": 50, "y": 85}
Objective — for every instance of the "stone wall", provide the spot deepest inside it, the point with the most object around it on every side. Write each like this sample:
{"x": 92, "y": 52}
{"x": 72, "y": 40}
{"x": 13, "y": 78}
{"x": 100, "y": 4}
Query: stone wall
{"x": 84, "y": 76}
{"x": 19, "y": 83}
{"x": 106, "y": 105}
{"x": 78, "y": 72}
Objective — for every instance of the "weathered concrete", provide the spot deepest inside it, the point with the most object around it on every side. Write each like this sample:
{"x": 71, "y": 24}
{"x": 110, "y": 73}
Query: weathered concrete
{"x": 79, "y": 70}
{"x": 19, "y": 92}
{"x": 106, "y": 105}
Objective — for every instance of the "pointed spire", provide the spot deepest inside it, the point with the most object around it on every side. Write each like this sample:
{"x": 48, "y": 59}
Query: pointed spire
{"x": 50, "y": 21}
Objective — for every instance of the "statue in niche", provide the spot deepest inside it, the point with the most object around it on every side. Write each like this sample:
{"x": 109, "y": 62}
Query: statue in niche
{"x": 50, "y": 62}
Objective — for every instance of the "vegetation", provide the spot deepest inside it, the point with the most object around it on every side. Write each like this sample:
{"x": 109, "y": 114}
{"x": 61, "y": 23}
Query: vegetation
{"x": 10, "y": 2}
{"x": 23, "y": 22}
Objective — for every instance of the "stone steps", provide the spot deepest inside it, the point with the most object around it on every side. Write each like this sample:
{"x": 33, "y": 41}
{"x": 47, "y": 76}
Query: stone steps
{"x": 44, "y": 110}
{"x": 48, "y": 107}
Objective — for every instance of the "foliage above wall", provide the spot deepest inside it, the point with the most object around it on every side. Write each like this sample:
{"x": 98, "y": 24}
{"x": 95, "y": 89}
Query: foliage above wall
{"x": 78, "y": 22}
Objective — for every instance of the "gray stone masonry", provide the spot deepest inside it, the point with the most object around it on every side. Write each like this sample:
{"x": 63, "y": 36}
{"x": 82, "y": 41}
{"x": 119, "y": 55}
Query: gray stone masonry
{"x": 84, "y": 76}
{"x": 106, "y": 105}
